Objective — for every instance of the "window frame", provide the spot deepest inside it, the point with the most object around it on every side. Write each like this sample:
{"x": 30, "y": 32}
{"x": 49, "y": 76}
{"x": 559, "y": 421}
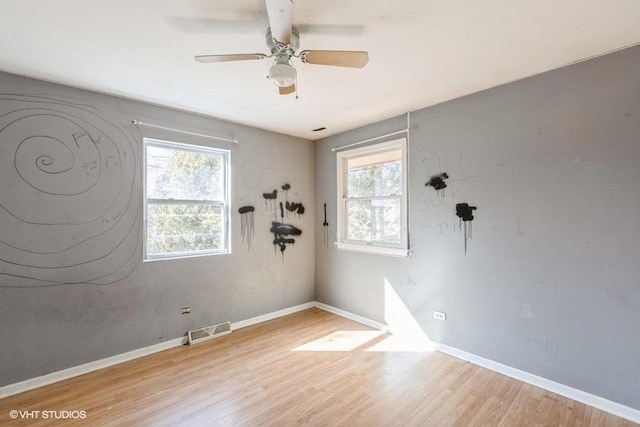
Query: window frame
{"x": 342, "y": 243}
{"x": 224, "y": 203}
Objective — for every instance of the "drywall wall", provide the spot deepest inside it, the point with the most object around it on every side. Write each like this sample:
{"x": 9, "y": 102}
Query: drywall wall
{"x": 73, "y": 286}
{"x": 550, "y": 281}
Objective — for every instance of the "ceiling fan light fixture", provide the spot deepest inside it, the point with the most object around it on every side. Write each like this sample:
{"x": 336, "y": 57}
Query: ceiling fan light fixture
{"x": 282, "y": 73}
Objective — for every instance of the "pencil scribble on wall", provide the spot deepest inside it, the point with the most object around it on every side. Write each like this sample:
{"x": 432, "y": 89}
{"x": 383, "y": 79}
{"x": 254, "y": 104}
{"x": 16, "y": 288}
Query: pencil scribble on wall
{"x": 465, "y": 215}
{"x": 247, "y": 224}
{"x": 69, "y": 194}
{"x": 254, "y": 178}
{"x": 435, "y": 169}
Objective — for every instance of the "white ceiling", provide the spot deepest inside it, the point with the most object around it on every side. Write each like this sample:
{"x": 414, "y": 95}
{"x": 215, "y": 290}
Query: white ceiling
{"x": 422, "y": 52}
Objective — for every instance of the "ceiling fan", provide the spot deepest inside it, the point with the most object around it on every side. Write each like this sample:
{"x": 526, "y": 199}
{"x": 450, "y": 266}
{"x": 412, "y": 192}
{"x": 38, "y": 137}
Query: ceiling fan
{"x": 283, "y": 41}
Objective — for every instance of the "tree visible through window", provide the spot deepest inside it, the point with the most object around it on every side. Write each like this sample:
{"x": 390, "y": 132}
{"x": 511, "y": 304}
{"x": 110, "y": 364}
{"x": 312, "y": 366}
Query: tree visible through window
{"x": 372, "y": 198}
{"x": 186, "y": 200}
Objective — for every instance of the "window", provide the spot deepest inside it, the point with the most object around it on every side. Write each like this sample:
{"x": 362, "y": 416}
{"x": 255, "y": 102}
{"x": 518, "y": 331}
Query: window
{"x": 372, "y": 198}
{"x": 186, "y": 200}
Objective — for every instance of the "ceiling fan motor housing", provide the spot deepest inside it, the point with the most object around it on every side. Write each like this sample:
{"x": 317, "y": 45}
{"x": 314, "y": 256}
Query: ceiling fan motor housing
{"x": 277, "y": 47}
{"x": 282, "y": 73}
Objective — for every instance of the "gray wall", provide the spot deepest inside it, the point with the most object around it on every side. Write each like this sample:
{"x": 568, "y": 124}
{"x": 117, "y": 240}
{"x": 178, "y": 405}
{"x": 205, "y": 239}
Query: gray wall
{"x": 73, "y": 287}
{"x": 550, "y": 283}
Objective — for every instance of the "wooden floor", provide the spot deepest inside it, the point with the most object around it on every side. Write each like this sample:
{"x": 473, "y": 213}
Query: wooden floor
{"x": 309, "y": 368}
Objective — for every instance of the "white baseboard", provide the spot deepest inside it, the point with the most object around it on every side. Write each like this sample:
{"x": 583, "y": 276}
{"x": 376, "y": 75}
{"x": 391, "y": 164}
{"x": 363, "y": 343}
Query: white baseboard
{"x": 270, "y": 316}
{"x": 54, "y": 377}
{"x": 552, "y": 386}
{"x": 351, "y": 316}
{"x": 597, "y": 402}
{"x": 30, "y": 384}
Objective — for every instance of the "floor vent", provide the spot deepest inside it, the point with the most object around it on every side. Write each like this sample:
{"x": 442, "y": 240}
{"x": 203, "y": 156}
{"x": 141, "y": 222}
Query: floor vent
{"x": 208, "y": 332}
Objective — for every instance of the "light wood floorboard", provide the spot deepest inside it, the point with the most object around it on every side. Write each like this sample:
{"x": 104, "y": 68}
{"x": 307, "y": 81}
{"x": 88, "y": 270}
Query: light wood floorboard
{"x": 280, "y": 373}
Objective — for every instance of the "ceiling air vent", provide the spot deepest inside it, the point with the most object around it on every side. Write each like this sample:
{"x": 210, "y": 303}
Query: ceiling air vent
{"x": 208, "y": 332}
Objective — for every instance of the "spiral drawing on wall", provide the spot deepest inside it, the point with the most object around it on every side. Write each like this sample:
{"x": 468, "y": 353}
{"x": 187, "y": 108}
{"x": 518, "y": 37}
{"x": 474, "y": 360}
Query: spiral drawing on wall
{"x": 69, "y": 194}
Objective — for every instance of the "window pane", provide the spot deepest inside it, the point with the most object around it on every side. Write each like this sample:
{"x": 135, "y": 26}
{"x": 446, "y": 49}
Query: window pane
{"x": 383, "y": 179}
{"x": 182, "y": 228}
{"x": 374, "y": 220}
{"x": 183, "y": 174}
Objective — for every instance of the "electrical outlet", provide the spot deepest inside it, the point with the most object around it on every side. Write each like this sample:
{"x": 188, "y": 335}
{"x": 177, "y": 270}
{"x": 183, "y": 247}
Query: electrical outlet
{"x": 440, "y": 315}
{"x": 185, "y": 310}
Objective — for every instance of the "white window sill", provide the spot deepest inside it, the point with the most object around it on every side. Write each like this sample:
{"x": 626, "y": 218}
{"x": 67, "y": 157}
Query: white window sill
{"x": 378, "y": 250}
{"x": 183, "y": 256}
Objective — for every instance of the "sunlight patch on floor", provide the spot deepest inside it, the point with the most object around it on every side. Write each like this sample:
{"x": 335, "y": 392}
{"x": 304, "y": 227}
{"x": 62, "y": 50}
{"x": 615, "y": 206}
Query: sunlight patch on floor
{"x": 406, "y": 334}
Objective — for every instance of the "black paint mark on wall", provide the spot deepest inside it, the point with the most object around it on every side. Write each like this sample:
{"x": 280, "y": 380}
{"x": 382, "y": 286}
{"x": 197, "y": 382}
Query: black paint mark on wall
{"x": 438, "y": 182}
{"x": 270, "y": 199}
{"x": 465, "y": 215}
{"x": 247, "y": 228}
{"x": 295, "y": 207}
{"x": 286, "y": 188}
{"x": 325, "y": 225}
{"x": 271, "y": 196}
{"x": 282, "y": 235}
{"x": 465, "y": 212}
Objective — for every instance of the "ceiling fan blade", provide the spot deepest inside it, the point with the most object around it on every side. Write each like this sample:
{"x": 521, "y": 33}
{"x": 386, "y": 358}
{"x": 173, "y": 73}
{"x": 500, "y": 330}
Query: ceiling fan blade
{"x": 337, "y": 58}
{"x": 287, "y": 90}
{"x": 280, "y": 14}
{"x": 229, "y": 58}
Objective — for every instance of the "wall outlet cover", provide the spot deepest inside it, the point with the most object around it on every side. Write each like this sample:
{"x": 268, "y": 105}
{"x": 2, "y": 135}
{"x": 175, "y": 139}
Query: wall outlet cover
{"x": 440, "y": 315}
